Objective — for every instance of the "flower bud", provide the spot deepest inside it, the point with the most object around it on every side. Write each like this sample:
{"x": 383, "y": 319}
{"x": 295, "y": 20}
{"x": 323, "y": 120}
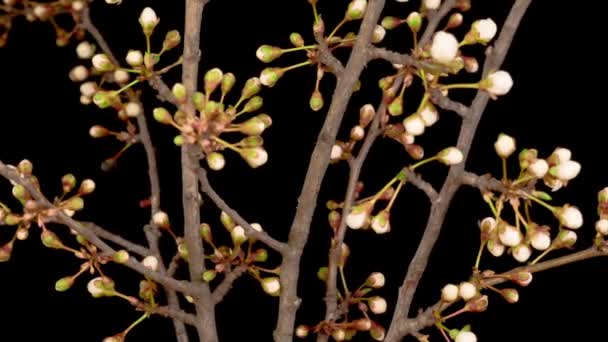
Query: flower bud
{"x": 377, "y": 305}
{"x": 465, "y": 336}
{"x": 85, "y": 50}
{"x": 296, "y": 39}
{"x": 390, "y": 23}
{"x": 395, "y": 108}
{"x": 161, "y": 219}
{"x": 302, "y": 331}
{"x": 449, "y": 293}
{"x": 252, "y": 86}
{"x": 86, "y": 187}
{"x": 509, "y": 235}
{"x": 172, "y": 39}
{"x": 450, "y": 156}
{"x": 79, "y": 73}
{"x": 455, "y": 20}
{"x": 64, "y": 284}
{"x": 414, "y": 125}
{"x": 375, "y": 280}
{"x": 414, "y": 21}
{"x": 381, "y": 222}
{"x": 216, "y": 161}
{"x": 102, "y": 62}
{"x": 358, "y": 215}
{"x": 538, "y": 168}
{"x": 467, "y": 290}
{"x": 316, "y": 101}
{"x": 566, "y": 171}
{"x": 483, "y": 30}
{"x": 135, "y": 58}
{"x": 238, "y": 235}
{"x": 378, "y": 34}
{"x": 162, "y": 115}
{"x": 521, "y": 252}
{"x": 150, "y": 262}
{"x": 601, "y": 226}
{"x": 564, "y": 239}
{"x": 497, "y": 83}
{"x": 377, "y": 332}
{"x": 268, "y": 53}
{"x": 271, "y": 285}
{"x": 104, "y": 99}
{"x": 569, "y": 216}
{"x": 504, "y": 145}
{"x": 209, "y": 275}
{"x": 213, "y": 78}
{"x": 255, "y": 156}
{"x": 510, "y": 295}
{"x": 74, "y": 204}
{"x": 148, "y": 20}
{"x": 522, "y": 278}
{"x": 444, "y": 47}
{"x": 356, "y": 10}
{"x": 432, "y": 4}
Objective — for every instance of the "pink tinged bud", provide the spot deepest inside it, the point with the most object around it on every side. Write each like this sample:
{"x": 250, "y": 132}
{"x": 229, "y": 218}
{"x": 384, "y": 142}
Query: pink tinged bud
{"x": 267, "y": 53}
{"x": 88, "y": 89}
{"x": 296, "y": 39}
{"x": 85, "y": 50}
{"x": 377, "y": 305}
{"x": 414, "y": 125}
{"x": 538, "y": 168}
{"x": 381, "y": 223}
{"x": 121, "y": 76}
{"x": 498, "y": 83}
{"x": 148, "y": 20}
{"x": 377, "y": 332}
{"x": 375, "y": 280}
{"x": 390, "y": 23}
{"x": 504, "y": 145}
{"x": 102, "y": 62}
{"x": 478, "y": 304}
{"x": 444, "y": 47}
{"x": 429, "y": 115}
{"x": 357, "y": 133}
{"x": 465, "y": 336}
{"x": 79, "y": 73}
{"x": 132, "y": 109}
{"x": 566, "y": 170}
{"x": 510, "y": 295}
{"x": 601, "y": 226}
{"x": 455, "y": 20}
{"x": 336, "y": 152}
{"x": 366, "y": 115}
{"x": 302, "y": 331}
{"x": 271, "y": 285}
{"x": 216, "y": 161}
{"x": 86, "y": 187}
{"x": 270, "y": 76}
{"x": 521, "y": 253}
{"x": 161, "y": 219}
{"x": 509, "y": 235}
{"x": 356, "y": 10}
{"x": 540, "y": 240}
{"x": 565, "y": 239}
{"x": 450, "y": 156}
{"x": 495, "y": 248}
{"x": 358, "y": 215}
{"x": 135, "y": 58}
{"x": 414, "y": 21}
{"x": 378, "y": 34}
{"x": 432, "y": 4}
{"x": 255, "y": 156}
{"x": 484, "y": 30}
{"x": 449, "y": 293}
{"x": 523, "y": 278}
{"x": 150, "y": 262}
{"x": 569, "y": 216}
{"x": 470, "y": 64}
{"x": 316, "y": 101}
{"x": 467, "y": 290}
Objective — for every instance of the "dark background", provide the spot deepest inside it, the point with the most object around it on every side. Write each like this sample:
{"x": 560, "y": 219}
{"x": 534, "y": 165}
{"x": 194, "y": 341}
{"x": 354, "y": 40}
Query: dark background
{"x": 556, "y": 63}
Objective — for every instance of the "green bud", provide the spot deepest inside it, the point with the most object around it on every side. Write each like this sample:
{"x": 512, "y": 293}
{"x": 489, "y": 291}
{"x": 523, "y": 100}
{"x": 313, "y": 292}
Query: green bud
{"x": 50, "y": 239}
{"x": 182, "y": 249}
{"x": 542, "y": 195}
{"x": 199, "y": 101}
{"x": 179, "y": 91}
{"x": 209, "y": 275}
{"x": 267, "y": 53}
{"x": 253, "y": 126}
{"x": 68, "y": 182}
{"x": 227, "y": 221}
{"x": 64, "y": 284}
{"x": 25, "y": 167}
{"x": 316, "y": 101}
{"x": 206, "y": 232}
{"x": 396, "y": 107}
{"x": 74, "y": 203}
{"x": 121, "y": 257}
{"x": 213, "y": 78}
{"x": 19, "y": 192}
{"x": 356, "y": 10}
{"x": 81, "y": 239}
{"x": 178, "y": 140}
{"x": 211, "y": 107}
{"x": 172, "y": 39}
{"x": 266, "y": 119}
{"x": 414, "y": 21}
{"x": 162, "y": 115}
{"x": 104, "y": 99}
{"x": 151, "y": 59}
{"x": 390, "y": 23}
{"x": 253, "y": 104}
{"x": 322, "y": 273}
{"x": 296, "y": 39}
{"x": 261, "y": 255}
{"x": 252, "y": 141}
{"x": 270, "y": 76}
{"x": 228, "y": 81}
{"x": 252, "y": 86}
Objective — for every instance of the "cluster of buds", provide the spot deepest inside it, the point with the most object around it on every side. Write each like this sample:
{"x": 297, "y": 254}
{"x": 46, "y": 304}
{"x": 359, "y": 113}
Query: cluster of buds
{"x": 601, "y": 225}
{"x": 343, "y": 149}
{"x": 214, "y": 118}
{"x": 44, "y": 12}
{"x": 555, "y": 171}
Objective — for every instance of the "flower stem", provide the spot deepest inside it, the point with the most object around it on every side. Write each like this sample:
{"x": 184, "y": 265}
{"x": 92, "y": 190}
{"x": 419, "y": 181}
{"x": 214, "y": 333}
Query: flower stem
{"x": 542, "y": 255}
{"x": 424, "y": 161}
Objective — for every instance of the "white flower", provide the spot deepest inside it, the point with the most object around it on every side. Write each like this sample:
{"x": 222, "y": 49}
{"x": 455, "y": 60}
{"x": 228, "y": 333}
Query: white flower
{"x": 377, "y": 305}
{"x": 150, "y": 262}
{"x": 432, "y": 4}
{"x": 504, "y": 145}
{"x": 566, "y": 170}
{"x": 467, "y": 290}
{"x": 336, "y": 152}
{"x": 498, "y": 83}
{"x": 414, "y": 125}
{"x": 148, "y": 20}
{"x": 562, "y": 154}
{"x": 429, "y": 115}
{"x": 444, "y": 47}
{"x": 449, "y": 293}
{"x": 160, "y": 218}
{"x": 102, "y": 62}
{"x": 538, "y": 168}
{"x": 450, "y": 156}
{"x": 509, "y": 235}
{"x": 466, "y": 336}
{"x": 541, "y": 240}
{"x": 93, "y": 286}
{"x": 522, "y": 253}
{"x": 134, "y": 58}
{"x": 132, "y": 109}
{"x": 601, "y": 226}
{"x": 570, "y": 217}
{"x": 376, "y": 280}
{"x": 271, "y": 285}
{"x": 378, "y": 34}
{"x": 486, "y": 29}
{"x": 85, "y": 50}
{"x": 79, "y": 73}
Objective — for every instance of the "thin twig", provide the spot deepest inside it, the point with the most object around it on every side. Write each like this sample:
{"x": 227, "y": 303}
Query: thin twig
{"x": 417, "y": 181}
{"x": 326, "y": 57}
{"x": 222, "y": 289}
{"x": 403, "y": 59}
{"x": 117, "y": 239}
{"x": 88, "y": 25}
{"x": 446, "y": 103}
{"x": 221, "y": 204}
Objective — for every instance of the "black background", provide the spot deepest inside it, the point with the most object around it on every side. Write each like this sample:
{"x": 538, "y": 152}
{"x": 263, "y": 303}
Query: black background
{"x": 558, "y": 67}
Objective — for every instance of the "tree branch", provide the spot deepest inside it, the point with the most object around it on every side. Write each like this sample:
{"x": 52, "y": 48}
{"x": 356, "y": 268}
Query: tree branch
{"x": 326, "y": 57}
{"x": 402, "y": 59}
{"x": 453, "y": 181}
{"x": 222, "y": 289}
{"x": 446, "y": 103}
{"x": 300, "y": 228}
{"x": 417, "y": 181}
{"x": 117, "y": 239}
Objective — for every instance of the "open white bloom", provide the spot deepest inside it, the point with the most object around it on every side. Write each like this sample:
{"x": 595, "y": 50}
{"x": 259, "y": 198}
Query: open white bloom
{"x": 432, "y": 4}
{"x": 377, "y": 305}
{"x": 486, "y": 29}
{"x": 504, "y": 145}
{"x": 414, "y": 125}
{"x": 336, "y": 152}
{"x": 541, "y": 240}
{"x": 444, "y": 47}
{"x": 271, "y": 285}
{"x": 135, "y": 58}
{"x": 538, "y": 168}
{"x": 509, "y": 235}
{"x": 601, "y": 226}
{"x": 450, "y": 156}
{"x": 562, "y": 154}
{"x": 85, "y": 50}
{"x": 567, "y": 170}
{"x": 495, "y": 248}
{"x": 498, "y": 83}
{"x": 132, "y": 109}
{"x": 429, "y": 115}
{"x": 522, "y": 253}
{"x": 150, "y": 262}
{"x": 376, "y": 280}
{"x": 570, "y": 216}
{"x": 449, "y": 293}
{"x": 467, "y": 290}
{"x": 466, "y": 336}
